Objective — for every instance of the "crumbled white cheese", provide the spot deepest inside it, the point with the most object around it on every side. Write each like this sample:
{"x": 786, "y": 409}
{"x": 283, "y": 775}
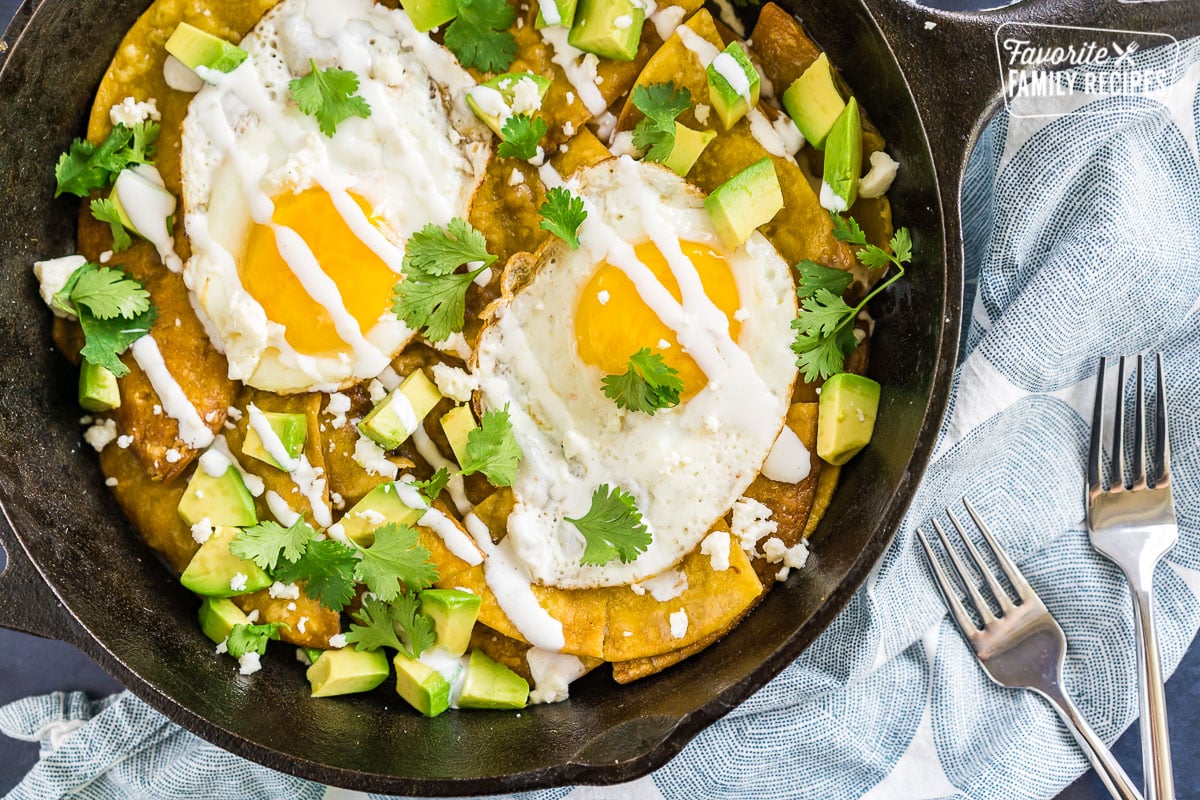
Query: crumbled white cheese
{"x": 377, "y": 390}
{"x": 202, "y": 531}
{"x": 124, "y": 441}
{"x": 712, "y": 423}
{"x": 173, "y": 456}
{"x": 679, "y": 623}
{"x": 783, "y": 573}
{"x": 291, "y": 606}
{"x": 373, "y": 458}
{"x": 233, "y": 413}
{"x": 603, "y": 296}
{"x": 111, "y": 482}
{"x": 879, "y": 179}
{"x": 53, "y": 275}
{"x": 287, "y": 591}
{"x": 222, "y": 647}
{"x": 337, "y": 406}
{"x": 157, "y": 410}
{"x": 130, "y": 112}
{"x": 570, "y": 98}
{"x": 238, "y": 582}
{"x": 552, "y": 674}
{"x": 568, "y": 128}
{"x": 101, "y": 434}
{"x": 337, "y": 641}
{"x": 716, "y": 547}
{"x": 249, "y": 663}
{"x": 666, "y": 585}
{"x": 455, "y": 383}
{"x": 527, "y": 98}
{"x": 751, "y": 522}
{"x": 701, "y": 111}
{"x": 371, "y": 517}
{"x": 302, "y": 624}
{"x": 106, "y": 257}
{"x": 663, "y": 344}
{"x": 337, "y": 532}
{"x": 252, "y": 617}
{"x": 623, "y": 22}
{"x": 517, "y": 177}
{"x": 741, "y": 315}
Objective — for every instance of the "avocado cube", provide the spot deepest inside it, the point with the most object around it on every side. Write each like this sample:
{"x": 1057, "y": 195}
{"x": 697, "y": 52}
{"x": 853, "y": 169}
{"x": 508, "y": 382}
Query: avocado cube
{"x": 347, "y": 671}
{"x": 749, "y": 199}
{"x": 218, "y": 615}
{"x": 563, "y": 9}
{"x": 420, "y": 685}
{"x": 493, "y": 100}
{"x": 689, "y": 144}
{"x": 814, "y": 102}
{"x": 429, "y": 14}
{"x": 490, "y": 684}
{"x": 457, "y": 423}
{"x": 398, "y": 415}
{"x": 382, "y": 501}
{"x": 453, "y": 613}
{"x": 98, "y": 388}
{"x": 197, "y": 48}
{"x": 608, "y": 28}
{"x": 224, "y": 500}
{"x": 215, "y": 572}
{"x": 733, "y": 84}
{"x": 290, "y": 429}
{"x": 846, "y": 416}
{"x": 843, "y": 160}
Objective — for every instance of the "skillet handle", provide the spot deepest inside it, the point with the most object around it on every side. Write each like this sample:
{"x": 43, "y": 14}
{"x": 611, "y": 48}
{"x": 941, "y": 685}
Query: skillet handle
{"x": 27, "y": 604}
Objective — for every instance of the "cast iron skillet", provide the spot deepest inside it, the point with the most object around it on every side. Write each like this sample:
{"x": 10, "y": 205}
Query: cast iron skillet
{"x": 77, "y": 571}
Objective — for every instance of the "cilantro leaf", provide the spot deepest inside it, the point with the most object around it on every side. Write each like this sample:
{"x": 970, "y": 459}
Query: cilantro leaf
{"x": 493, "y": 450}
{"x": 612, "y": 528}
{"x": 416, "y": 628}
{"x": 520, "y": 136}
{"x": 266, "y": 542}
{"x": 431, "y": 488}
{"x": 86, "y": 167}
{"x": 400, "y": 626}
{"x": 440, "y": 251}
{"x": 821, "y": 356}
{"x": 107, "y": 292}
{"x": 901, "y": 245}
{"x": 647, "y": 385}
{"x": 106, "y": 211}
{"x": 327, "y": 570}
{"x": 814, "y": 276}
{"x": 395, "y": 557}
{"x": 562, "y": 214}
{"x": 823, "y": 313}
{"x": 661, "y": 103}
{"x": 479, "y": 35}
{"x": 107, "y": 339}
{"x": 846, "y": 229}
{"x": 252, "y": 638}
{"x": 330, "y": 95}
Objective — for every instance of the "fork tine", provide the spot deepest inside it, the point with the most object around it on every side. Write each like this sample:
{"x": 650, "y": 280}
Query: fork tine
{"x": 965, "y": 623}
{"x": 1162, "y": 441}
{"x": 981, "y": 606}
{"x": 1006, "y": 603}
{"x": 1024, "y": 590}
{"x": 1138, "y": 470}
{"x": 1117, "y": 478}
{"x": 1096, "y": 449}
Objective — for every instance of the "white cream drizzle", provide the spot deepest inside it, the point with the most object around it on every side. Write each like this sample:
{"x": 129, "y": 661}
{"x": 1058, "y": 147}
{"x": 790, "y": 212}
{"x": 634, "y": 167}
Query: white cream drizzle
{"x": 283, "y": 513}
{"x": 579, "y": 68}
{"x": 789, "y": 460}
{"x": 457, "y": 542}
{"x": 192, "y": 429}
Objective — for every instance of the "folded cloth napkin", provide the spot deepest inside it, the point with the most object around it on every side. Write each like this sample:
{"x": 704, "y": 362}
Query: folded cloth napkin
{"x": 1082, "y": 238}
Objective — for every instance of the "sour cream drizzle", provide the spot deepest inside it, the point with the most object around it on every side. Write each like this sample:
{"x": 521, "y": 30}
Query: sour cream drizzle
{"x": 433, "y": 456}
{"x": 579, "y": 68}
{"x": 456, "y": 541}
{"x": 270, "y": 441}
{"x": 175, "y": 403}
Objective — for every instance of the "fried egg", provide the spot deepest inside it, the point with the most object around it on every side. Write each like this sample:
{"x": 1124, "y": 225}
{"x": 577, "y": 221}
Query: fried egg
{"x": 297, "y": 238}
{"x": 650, "y": 272}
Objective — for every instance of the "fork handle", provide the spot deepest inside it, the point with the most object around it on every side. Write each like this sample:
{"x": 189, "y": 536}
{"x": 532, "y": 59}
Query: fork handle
{"x": 1111, "y": 774}
{"x": 1156, "y": 745}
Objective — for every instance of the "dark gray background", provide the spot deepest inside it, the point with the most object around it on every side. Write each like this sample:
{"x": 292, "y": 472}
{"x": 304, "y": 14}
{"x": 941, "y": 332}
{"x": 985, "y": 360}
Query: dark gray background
{"x": 30, "y": 666}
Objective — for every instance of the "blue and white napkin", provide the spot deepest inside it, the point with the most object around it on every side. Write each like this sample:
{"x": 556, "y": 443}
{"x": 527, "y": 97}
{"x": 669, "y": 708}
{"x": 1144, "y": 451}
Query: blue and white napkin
{"x": 1082, "y": 238}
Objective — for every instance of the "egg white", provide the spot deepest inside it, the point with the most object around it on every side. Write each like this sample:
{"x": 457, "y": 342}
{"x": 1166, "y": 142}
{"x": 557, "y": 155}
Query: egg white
{"x": 684, "y": 466}
{"x": 418, "y": 159}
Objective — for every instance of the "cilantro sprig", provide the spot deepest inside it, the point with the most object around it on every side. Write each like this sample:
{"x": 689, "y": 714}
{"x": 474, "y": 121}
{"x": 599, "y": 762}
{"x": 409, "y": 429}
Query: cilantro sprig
{"x": 86, "y": 167}
{"x": 249, "y": 638}
{"x": 521, "y": 134}
{"x": 113, "y": 309}
{"x": 647, "y": 385}
{"x": 106, "y": 211}
{"x": 562, "y": 214}
{"x": 330, "y": 95}
{"x": 399, "y": 625}
{"x": 396, "y": 557}
{"x": 432, "y": 294}
{"x": 612, "y": 528}
{"x": 493, "y": 450}
{"x": 326, "y": 568}
{"x": 434, "y": 485}
{"x": 825, "y": 323}
{"x": 661, "y": 103}
{"x": 267, "y": 542}
{"x": 479, "y": 35}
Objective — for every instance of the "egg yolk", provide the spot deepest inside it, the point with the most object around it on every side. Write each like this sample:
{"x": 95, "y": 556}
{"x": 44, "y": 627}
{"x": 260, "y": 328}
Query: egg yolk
{"x": 612, "y": 321}
{"x": 363, "y": 279}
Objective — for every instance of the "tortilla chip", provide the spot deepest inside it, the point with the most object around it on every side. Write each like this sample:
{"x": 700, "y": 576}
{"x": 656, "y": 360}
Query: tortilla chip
{"x": 781, "y": 49}
{"x": 150, "y": 505}
{"x": 584, "y": 150}
{"x": 319, "y": 622}
{"x": 826, "y": 483}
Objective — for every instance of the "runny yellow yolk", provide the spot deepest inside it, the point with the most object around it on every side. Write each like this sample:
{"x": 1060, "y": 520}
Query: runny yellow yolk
{"x": 364, "y": 281}
{"x": 612, "y": 321}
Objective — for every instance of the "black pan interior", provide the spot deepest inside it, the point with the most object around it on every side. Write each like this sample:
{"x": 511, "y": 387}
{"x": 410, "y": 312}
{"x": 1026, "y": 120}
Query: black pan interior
{"x": 134, "y": 617}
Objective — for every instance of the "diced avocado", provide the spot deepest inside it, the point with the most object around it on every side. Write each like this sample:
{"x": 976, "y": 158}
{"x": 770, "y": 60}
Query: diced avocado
{"x": 608, "y": 28}
{"x": 843, "y": 160}
{"x": 399, "y": 414}
{"x": 495, "y": 100}
{"x": 214, "y": 571}
{"x": 748, "y": 199}
{"x": 360, "y": 522}
{"x": 218, "y": 615}
{"x": 421, "y": 685}
{"x": 689, "y": 144}
{"x": 347, "y": 671}
{"x": 197, "y": 48}
{"x": 846, "y": 416}
{"x": 733, "y": 84}
{"x": 566, "y": 14}
{"x": 453, "y": 613}
{"x": 291, "y": 429}
{"x": 223, "y": 500}
{"x": 428, "y": 14}
{"x": 458, "y": 423}
{"x": 490, "y": 684}
{"x": 814, "y": 102}
{"x": 98, "y": 388}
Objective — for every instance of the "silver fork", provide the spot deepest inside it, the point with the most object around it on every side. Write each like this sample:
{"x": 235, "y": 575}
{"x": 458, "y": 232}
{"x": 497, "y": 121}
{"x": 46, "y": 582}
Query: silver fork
{"x": 1134, "y": 525}
{"x": 1023, "y": 647}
